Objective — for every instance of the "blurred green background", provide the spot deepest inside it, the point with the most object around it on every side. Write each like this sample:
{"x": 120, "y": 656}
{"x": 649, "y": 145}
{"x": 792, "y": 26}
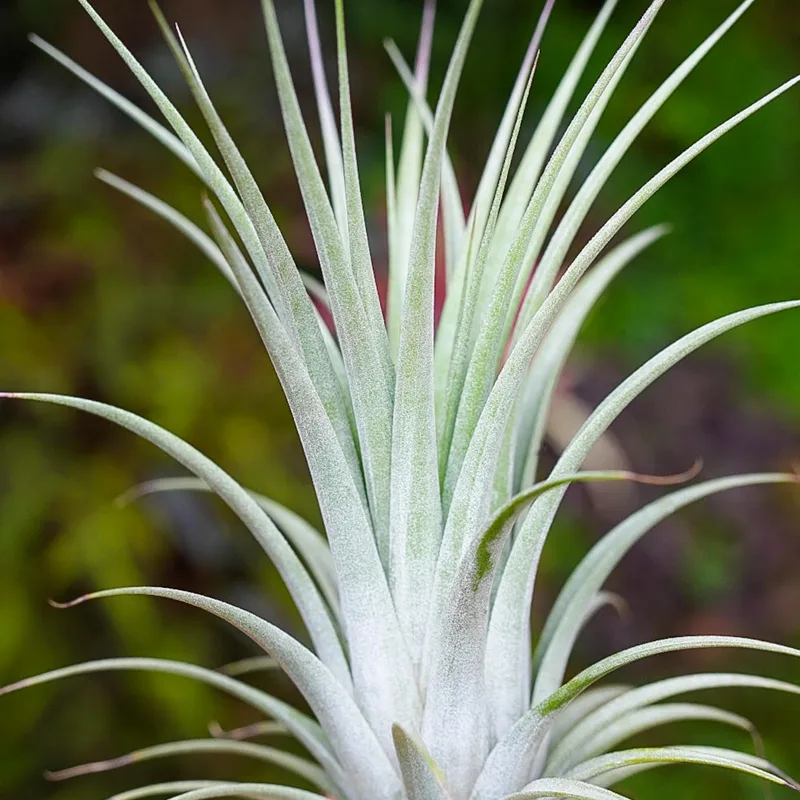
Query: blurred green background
{"x": 99, "y": 298}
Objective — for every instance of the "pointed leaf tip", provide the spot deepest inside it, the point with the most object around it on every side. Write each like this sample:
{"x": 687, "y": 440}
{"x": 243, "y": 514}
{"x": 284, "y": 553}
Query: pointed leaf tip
{"x": 69, "y": 604}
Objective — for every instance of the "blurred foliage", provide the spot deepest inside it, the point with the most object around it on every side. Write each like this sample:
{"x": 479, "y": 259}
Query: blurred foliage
{"x": 98, "y": 298}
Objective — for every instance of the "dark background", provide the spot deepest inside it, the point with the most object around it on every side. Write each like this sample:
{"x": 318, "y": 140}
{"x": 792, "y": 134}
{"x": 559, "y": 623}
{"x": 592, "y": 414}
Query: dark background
{"x": 99, "y": 298}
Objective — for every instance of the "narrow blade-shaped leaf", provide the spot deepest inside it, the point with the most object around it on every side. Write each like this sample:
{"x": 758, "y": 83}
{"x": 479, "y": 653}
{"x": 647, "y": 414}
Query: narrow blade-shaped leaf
{"x": 646, "y": 719}
{"x": 422, "y": 777}
{"x": 508, "y": 653}
{"x": 298, "y": 581}
{"x": 568, "y": 227}
{"x": 562, "y": 787}
{"x": 270, "y": 755}
{"x": 508, "y": 764}
{"x": 382, "y": 670}
{"x": 415, "y": 529}
{"x": 306, "y": 730}
{"x": 307, "y": 540}
{"x": 596, "y": 767}
{"x": 350, "y": 736}
{"x": 565, "y": 618}
{"x": 628, "y": 703}
{"x": 408, "y": 178}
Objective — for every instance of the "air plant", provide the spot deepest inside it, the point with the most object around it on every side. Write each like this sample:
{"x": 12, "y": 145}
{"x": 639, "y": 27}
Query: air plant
{"x": 423, "y": 443}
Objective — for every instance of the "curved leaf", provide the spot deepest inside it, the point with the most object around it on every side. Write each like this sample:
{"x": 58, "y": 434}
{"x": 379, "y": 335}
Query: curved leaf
{"x": 304, "y": 729}
{"x": 155, "y": 129}
{"x": 352, "y": 740}
{"x": 452, "y": 207}
{"x": 511, "y": 759}
{"x": 590, "y": 770}
{"x": 561, "y": 787}
{"x": 307, "y": 540}
{"x": 330, "y": 134}
{"x": 299, "y": 766}
{"x": 408, "y": 178}
{"x": 161, "y": 789}
{"x": 360, "y": 256}
{"x": 594, "y": 724}
{"x": 458, "y": 358}
{"x": 508, "y": 660}
{"x": 541, "y": 382}
{"x": 255, "y": 790}
{"x": 646, "y": 719}
{"x": 568, "y": 227}
{"x": 581, "y": 707}
{"x": 530, "y": 167}
{"x": 298, "y": 581}
{"x": 564, "y": 621}
{"x": 191, "y": 231}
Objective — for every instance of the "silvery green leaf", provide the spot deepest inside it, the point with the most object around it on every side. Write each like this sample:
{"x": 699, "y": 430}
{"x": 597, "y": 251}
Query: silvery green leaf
{"x": 368, "y": 369}
{"x": 539, "y": 147}
{"x": 511, "y": 759}
{"x": 487, "y": 187}
{"x": 382, "y": 670}
{"x": 408, "y": 178}
{"x": 422, "y": 777}
{"x": 562, "y": 787}
{"x": 351, "y": 738}
{"x": 507, "y": 664}
{"x": 456, "y": 647}
{"x": 155, "y": 129}
{"x": 415, "y": 528}
{"x": 646, "y": 719}
{"x": 580, "y": 708}
{"x": 330, "y": 134}
{"x": 262, "y": 313}
{"x": 262, "y": 791}
{"x": 307, "y": 540}
{"x": 306, "y": 730}
{"x": 191, "y": 231}
{"x": 567, "y": 229}
{"x": 565, "y": 619}
{"x": 469, "y": 478}
{"x": 515, "y": 269}
{"x": 209, "y": 170}
{"x": 658, "y": 756}
{"x": 459, "y": 355}
{"x": 444, "y": 336}
{"x": 270, "y": 755}
{"x": 288, "y": 293}
{"x": 304, "y": 593}
{"x": 540, "y": 385}
{"x": 360, "y": 256}
{"x": 584, "y": 732}
{"x": 162, "y": 789}
{"x": 452, "y": 206}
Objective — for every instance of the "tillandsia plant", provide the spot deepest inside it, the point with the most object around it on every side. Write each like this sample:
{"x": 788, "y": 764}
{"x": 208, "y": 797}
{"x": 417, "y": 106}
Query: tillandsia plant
{"x": 422, "y": 442}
